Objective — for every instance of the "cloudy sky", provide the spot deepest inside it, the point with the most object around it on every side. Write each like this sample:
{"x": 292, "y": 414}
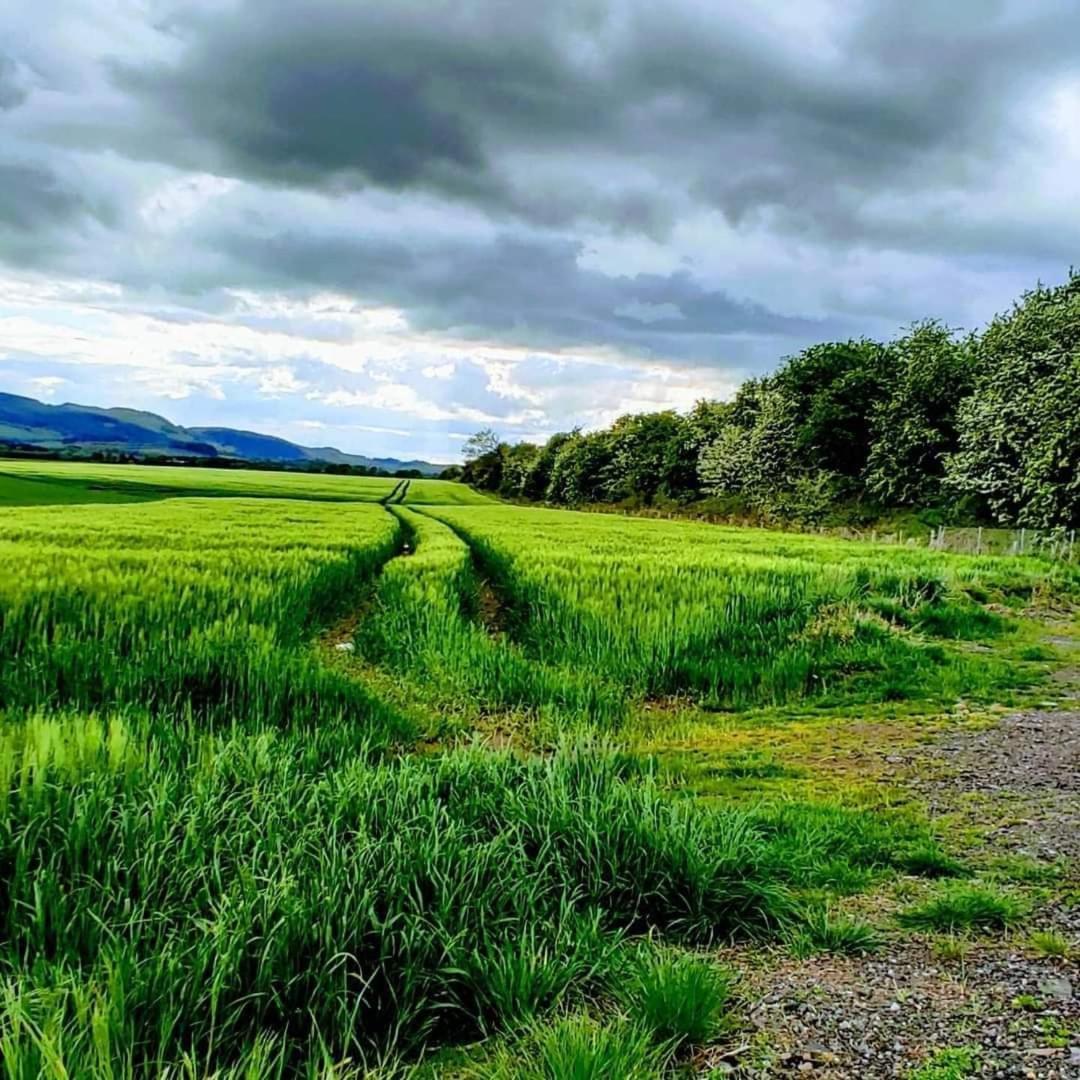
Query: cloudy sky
{"x": 382, "y": 224}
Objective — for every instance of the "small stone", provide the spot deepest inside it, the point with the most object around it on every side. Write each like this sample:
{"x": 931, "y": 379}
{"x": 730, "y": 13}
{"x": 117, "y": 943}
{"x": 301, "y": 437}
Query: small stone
{"x": 1074, "y": 1055}
{"x": 345, "y": 646}
{"x": 1057, "y": 987}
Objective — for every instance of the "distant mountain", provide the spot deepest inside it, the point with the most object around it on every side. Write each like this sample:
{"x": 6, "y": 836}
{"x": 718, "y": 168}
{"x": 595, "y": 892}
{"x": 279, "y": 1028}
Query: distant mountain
{"x": 85, "y": 429}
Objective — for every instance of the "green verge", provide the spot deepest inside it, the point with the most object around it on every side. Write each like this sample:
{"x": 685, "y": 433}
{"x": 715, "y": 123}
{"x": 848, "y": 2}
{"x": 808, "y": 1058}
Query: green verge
{"x": 172, "y": 894}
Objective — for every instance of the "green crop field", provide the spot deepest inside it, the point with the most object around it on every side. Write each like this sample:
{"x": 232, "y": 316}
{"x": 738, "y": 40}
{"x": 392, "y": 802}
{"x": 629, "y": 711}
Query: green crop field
{"x": 39, "y": 482}
{"x": 329, "y": 776}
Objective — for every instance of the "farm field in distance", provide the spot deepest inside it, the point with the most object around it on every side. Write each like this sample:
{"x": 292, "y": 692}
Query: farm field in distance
{"x": 330, "y": 776}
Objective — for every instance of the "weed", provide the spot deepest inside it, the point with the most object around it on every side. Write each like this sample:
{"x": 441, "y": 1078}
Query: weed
{"x": 1026, "y": 1003}
{"x": 822, "y": 931}
{"x": 962, "y": 907}
{"x": 681, "y": 998}
{"x": 1049, "y": 943}
{"x": 957, "y": 1063}
{"x": 951, "y": 949}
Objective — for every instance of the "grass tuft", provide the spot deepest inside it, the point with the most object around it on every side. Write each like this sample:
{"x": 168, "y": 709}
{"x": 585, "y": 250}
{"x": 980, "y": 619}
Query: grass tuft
{"x": 581, "y": 1047}
{"x": 822, "y": 931}
{"x": 966, "y": 907}
{"x": 1050, "y": 943}
{"x": 680, "y": 998}
{"x": 957, "y": 1063}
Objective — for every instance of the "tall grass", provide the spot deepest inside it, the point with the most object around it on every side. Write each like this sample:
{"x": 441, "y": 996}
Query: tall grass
{"x": 426, "y": 625}
{"x": 172, "y": 892}
{"x": 213, "y": 862}
{"x": 737, "y": 617}
{"x": 184, "y": 606}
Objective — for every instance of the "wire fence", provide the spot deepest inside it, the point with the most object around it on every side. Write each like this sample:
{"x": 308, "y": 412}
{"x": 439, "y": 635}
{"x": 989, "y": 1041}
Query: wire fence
{"x": 1050, "y": 544}
{"x": 1058, "y": 544}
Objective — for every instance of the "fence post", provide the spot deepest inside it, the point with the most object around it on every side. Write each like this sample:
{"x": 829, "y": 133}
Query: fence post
{"x": 1023, "y": 535}
{"x": 978, "y": 542}
{"x": 1072, "y": 540}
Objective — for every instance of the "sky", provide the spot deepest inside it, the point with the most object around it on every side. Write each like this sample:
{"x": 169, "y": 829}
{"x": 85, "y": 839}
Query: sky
{"x": 384, "y": 224}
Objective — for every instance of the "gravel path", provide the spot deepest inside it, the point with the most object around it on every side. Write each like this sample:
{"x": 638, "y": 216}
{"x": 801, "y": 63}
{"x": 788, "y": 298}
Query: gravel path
{"x": 1028, "y": 764}
{"x": 880, "y": 1016}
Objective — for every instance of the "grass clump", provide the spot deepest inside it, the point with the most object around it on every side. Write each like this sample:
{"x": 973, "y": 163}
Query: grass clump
{"x": 1050, "y": 943}
{"x": 207, "y": 888}
{"x": 956, "y": 1063}
{"x": 682, "y": 999}
{"x": 965, "y": 907}
{"x": 951, "y": 948}
{"x": 823, "y": 931}
{"x": 580, "y": 1047}
{"x": 927, "y": 858}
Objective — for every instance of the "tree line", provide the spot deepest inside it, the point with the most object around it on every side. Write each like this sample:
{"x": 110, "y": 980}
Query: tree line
{"x": 982, "y": 426}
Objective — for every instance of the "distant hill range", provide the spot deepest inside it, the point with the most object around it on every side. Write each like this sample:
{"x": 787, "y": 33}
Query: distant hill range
{"x": 83, "y": 430}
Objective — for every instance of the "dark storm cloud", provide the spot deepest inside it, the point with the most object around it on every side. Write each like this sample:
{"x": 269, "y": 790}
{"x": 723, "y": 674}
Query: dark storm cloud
{"x": 634, "y": 108}
{"x": 12, "y": 92}
{"x": 32, "y": 197}
{"x": 47, "y": 217}
{"x": 528, "y": 292}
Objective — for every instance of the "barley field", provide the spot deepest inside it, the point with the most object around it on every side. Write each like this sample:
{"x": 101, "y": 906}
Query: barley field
{"x": 257, "y": 821}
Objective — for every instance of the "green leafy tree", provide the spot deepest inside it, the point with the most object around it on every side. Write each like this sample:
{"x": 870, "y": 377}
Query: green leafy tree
{"x": 645, "y": 452}
{"x": 915, "y": 425}
{"x": 484, "y": 455}
{"x": 581, "y": 472}
{"x": 755, "y": 454}
{"x": 537, "y": 479}
{"x": 1019, "y": 431}
{"x": 834, "y": 390}
{"x": 480, "y": 444}
{"x": 517, "y": 461}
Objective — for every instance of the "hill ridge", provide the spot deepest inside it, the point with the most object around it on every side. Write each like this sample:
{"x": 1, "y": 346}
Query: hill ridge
{"x": 25, "y": 421}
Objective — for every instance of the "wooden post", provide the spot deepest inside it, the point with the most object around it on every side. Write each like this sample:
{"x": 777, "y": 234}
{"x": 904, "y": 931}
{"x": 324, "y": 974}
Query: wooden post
{"x": 1023, "y": 536}
{"x": 978, "y": 542}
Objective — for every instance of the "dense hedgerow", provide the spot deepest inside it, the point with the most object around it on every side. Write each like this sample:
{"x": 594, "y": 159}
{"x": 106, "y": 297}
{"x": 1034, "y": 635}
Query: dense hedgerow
{"x": 985, "y": 426}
